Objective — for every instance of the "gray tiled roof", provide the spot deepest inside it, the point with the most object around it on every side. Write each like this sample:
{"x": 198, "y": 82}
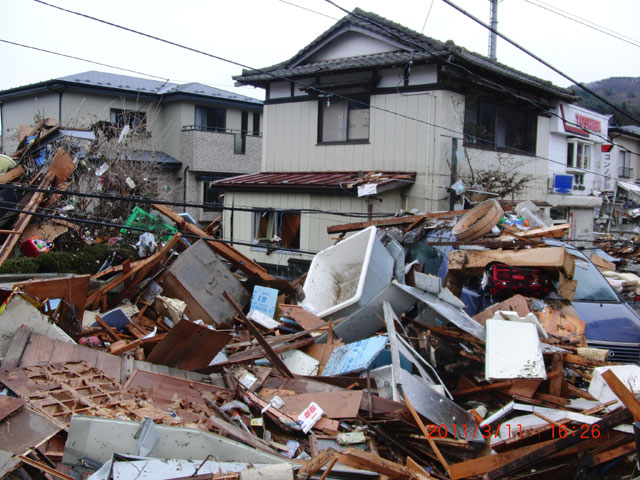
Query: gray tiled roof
{"x": 105, "y": 80}
{"x": 632, "y": 130}
{"x": 412, "y": 42}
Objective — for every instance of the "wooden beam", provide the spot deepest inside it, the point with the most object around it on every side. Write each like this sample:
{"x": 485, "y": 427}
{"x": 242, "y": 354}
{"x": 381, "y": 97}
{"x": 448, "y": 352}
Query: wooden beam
{"x": 608, "y": 455}
{"x": 625, "y": 395}
{"x": 12, "y": 174}
{"x": 94, "y": 299}
{"x": 573, "y": 437}
{"x": 387, "y": 222}
{"x": 276, "y": 361}
{"x": 372, "y": 462}
{"x": 482, "y": 465}
{"x": 424, "y": 431}
{"x": 24, "y": 218}
{"x": 240, "y": 261}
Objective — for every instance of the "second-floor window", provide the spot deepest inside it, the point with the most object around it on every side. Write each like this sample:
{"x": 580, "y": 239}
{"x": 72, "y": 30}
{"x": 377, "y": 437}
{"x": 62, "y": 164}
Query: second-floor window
{"x": 499, "y": 127}
{"x": 209, "y": 118}
{"x": 578, "y": 154}
{"x": 344, "y": 120}
{"x": 134, "y": 118}
{"x": 625, "y": 164}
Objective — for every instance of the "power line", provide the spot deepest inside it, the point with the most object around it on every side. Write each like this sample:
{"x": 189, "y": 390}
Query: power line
{"x": 500, "y": 87}
{"x": 586, "y": 23}
{"x": 141, "y": 229}
{"x": 293, "y": 81}
{"x": 143, "y": 200}
{"x": 192, "y": 236}
{"x": 545, "y": 63}
{"x": 307, "y": 9}
{"x": 82, "y": 59}
{"x": 422, "y": 47}
{"x": 427, "y": 17}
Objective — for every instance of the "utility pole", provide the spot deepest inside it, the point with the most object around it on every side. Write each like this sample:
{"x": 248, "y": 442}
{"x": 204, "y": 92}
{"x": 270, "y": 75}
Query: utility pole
{"x": 493, "y": 39}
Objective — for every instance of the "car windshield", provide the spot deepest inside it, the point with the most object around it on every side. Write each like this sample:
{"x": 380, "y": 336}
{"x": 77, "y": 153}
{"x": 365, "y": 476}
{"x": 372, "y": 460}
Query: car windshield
{"x": 592, "y": 286}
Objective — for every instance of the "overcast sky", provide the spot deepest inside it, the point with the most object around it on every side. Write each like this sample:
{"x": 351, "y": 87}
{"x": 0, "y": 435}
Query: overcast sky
{"x": 259, "y": 33}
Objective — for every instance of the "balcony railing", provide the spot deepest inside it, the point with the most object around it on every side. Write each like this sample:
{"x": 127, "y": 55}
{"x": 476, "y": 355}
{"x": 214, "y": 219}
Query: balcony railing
{"x": 187, "y": 128}
{"x": 625, "y": 172}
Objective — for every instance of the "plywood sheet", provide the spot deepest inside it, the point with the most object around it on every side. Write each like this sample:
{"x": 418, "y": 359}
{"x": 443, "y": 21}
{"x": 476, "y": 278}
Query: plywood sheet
{"x": 24, "y": 430}
{"x": 163, "y": 390}
{"x": 304, "y": 318}
{"x": 9, "y": 405}
{"x": 188, "y": 346}
{"x": 336, "y": 405}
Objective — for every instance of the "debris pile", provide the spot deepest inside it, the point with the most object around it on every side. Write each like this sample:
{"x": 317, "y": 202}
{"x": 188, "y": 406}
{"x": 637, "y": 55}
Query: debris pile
{"x": 423, "y": 346}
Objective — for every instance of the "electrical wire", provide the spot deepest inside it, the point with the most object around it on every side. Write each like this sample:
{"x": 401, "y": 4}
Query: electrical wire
{"x": 331, "y": 93}
{"x": 487, "y": 81}
{"x": 307, "y": 9}
{"x": 87, "y": 221}
{"x": 306, "y": 86}
{"x": 535, "y": 57}
{"x": 586, "y": 23}
{"x": 144, "y": 200}
{"x": 82, "y": 59}
{"x": 39, "y": 213}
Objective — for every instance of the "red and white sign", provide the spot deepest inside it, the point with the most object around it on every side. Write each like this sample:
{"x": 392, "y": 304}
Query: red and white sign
{"x": 588, "y": 123}
{"x": 310, "y": 416}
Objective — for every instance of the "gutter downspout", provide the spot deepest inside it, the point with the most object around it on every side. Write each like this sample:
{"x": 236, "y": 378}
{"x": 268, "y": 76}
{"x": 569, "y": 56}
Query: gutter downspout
{"x": 60, "y": 106}
{"x": 185, "y": 184}
{"x": 1, "y": 131}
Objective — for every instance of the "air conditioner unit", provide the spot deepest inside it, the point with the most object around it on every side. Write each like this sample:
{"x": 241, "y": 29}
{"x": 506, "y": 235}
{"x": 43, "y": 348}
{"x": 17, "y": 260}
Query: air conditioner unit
{"x": 562, "y": 183}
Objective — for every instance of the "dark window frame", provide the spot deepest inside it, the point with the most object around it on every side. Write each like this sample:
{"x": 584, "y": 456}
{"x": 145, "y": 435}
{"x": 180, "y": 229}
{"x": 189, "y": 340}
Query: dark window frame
{"x": 215, "y": 118}
{"x": 136, "y": 119}
{"x": 354, "y": 103}
{"x": 501, "y": 127}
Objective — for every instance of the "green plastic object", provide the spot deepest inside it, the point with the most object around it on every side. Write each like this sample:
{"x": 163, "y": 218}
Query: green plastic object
{"x": 141, "y": 219}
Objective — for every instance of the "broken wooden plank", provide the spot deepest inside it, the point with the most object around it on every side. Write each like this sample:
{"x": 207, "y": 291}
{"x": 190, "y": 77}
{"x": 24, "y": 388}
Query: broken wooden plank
{"x": 303, "y": 317}
{"x": 370, "y": 461}
{"x": 240, "y": 261}
{"x": 606, "y": 456}
{"x": 45, "y": 468}
{"x": 72, "y": 290}
{"x": 556, "y": 231}
{"x": 336, "y": 405}
{"x": 273, "y": 356}
{"x": 17, "y": 347}
{"x": 387, "y": 222}
{"x": 94, "y": 298}
{"x": 25, "y": 217}
{"x": 12, "y": 174}
{"x": 188, "y": 346}
{"x": 488, "y": 463}
{"x": 310, "y": 467}
{"x": 625, "y": 395}
{"x": 573, "y": 437}
{"x": 424, "y": 431}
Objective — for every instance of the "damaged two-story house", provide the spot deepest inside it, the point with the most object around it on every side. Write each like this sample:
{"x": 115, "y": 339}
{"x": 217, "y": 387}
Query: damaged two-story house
{"x": 192, "y": 134}
{"x": 373, "y": 118}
